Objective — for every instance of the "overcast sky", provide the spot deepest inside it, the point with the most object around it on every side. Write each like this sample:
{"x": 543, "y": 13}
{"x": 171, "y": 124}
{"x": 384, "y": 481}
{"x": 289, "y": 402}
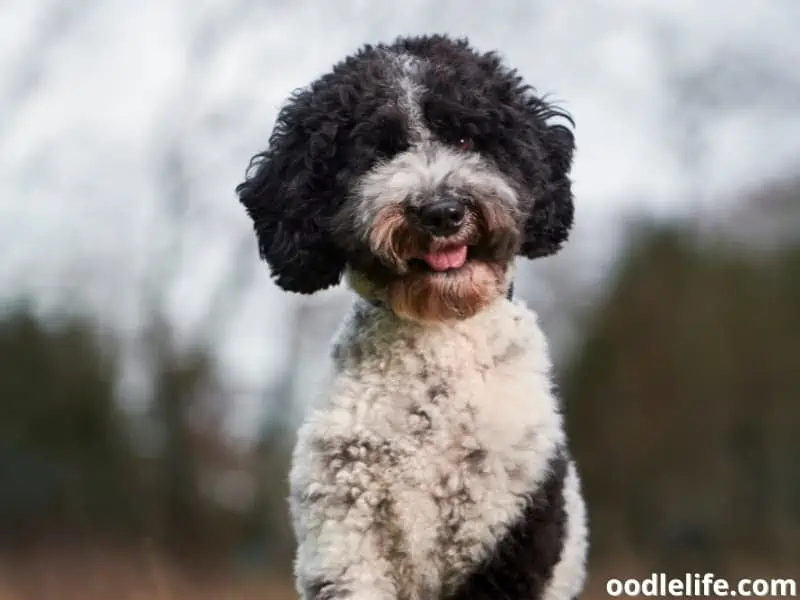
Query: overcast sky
{"x": 678, "y": 104}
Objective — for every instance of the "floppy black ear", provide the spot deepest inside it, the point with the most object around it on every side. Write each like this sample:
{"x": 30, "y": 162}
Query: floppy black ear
{"x": 550, "y": 220}
{"x": 291, "y": 193}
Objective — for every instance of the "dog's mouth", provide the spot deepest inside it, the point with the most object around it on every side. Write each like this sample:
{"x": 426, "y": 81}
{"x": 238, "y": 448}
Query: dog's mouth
{"x": 450, "y": 279}
{"x": 442, "y": 260}
{"x": 452, "y": 258}
{"x": 400, "y": 247}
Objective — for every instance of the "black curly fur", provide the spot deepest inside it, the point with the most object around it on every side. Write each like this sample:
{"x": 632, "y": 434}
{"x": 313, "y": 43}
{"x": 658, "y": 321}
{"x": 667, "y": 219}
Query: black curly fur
{"x": 522, "y": 562}
{"x": 329, "y": 134}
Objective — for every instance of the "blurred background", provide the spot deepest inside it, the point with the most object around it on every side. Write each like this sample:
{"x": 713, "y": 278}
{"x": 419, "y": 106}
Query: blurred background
{"x": 151, "y": 375}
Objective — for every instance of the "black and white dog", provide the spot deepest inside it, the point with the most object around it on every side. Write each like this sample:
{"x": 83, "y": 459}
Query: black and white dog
{"x": 434, "y": 464}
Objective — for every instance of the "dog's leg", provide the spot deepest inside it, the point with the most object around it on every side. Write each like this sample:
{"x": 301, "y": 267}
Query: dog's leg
{"x": 570, "y": 571}
{"x": 541, "y": 555}
{"x": 338, "y": 505}
{"x": 342, "y": 566}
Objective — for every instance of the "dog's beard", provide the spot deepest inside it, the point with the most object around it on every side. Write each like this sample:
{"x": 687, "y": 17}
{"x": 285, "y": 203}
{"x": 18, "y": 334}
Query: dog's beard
{"x": 418, "y": 293}
{"x": 436, "y": 297}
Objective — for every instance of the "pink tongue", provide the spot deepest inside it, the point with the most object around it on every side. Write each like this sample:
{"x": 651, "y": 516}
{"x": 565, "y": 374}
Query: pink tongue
{"x": 452, "y": 258}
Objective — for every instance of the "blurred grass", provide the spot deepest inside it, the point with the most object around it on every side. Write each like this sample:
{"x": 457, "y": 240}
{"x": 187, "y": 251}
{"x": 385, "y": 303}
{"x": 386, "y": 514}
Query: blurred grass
{"x": 106, "y": 573}
{"x": 103, "y": 574}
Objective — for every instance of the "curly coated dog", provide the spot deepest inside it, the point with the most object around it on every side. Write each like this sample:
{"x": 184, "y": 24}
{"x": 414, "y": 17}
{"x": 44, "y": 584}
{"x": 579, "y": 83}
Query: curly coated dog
{"x": 434, "y": 464}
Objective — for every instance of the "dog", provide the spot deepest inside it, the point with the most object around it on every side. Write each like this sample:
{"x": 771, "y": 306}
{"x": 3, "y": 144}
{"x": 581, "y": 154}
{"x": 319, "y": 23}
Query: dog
{"x": 434, "y": 464}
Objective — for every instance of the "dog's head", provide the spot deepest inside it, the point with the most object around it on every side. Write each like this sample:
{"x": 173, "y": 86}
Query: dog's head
{"x": 422, "y": 168}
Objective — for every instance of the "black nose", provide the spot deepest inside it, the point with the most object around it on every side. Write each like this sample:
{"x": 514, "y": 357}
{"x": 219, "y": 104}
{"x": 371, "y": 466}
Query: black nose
{"x": 442, "y": 217}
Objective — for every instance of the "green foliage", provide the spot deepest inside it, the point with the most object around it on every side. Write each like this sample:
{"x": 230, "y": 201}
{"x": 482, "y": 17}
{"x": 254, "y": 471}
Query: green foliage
{"x": 62, "y": 458}
{"x": 684, "y": 404}
{"x": 70, "y": 466}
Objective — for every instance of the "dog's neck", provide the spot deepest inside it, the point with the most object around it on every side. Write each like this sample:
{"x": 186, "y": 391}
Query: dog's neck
{"x": 364, "y": 288}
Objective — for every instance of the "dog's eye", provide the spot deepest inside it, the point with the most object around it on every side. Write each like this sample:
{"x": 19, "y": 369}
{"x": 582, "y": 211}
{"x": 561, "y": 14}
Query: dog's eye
{"x": 465, "y": 144}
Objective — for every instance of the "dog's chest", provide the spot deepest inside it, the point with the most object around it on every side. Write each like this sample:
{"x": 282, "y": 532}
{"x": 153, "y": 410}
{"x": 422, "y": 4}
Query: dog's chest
{"x": 446, "y": 431}
{"x": 447, "y": 459}
{"x": 458, "y": 470}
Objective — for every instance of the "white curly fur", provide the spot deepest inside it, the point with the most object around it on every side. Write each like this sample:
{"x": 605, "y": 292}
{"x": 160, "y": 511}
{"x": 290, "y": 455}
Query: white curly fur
{"x": 414, "y": 460}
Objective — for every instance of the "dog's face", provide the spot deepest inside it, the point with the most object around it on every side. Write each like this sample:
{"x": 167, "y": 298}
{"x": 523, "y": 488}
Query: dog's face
{"x": 432, "y": 229}
{"x": 421, "y": 168}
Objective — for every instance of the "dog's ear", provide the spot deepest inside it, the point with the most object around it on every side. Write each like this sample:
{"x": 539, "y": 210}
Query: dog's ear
{"x": 550, "y": 219}
{"x": 291, "y": 195}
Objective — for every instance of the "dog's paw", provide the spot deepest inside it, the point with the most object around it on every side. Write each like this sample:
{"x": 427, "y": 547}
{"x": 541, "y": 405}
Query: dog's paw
{"x": 332, "y": 591}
